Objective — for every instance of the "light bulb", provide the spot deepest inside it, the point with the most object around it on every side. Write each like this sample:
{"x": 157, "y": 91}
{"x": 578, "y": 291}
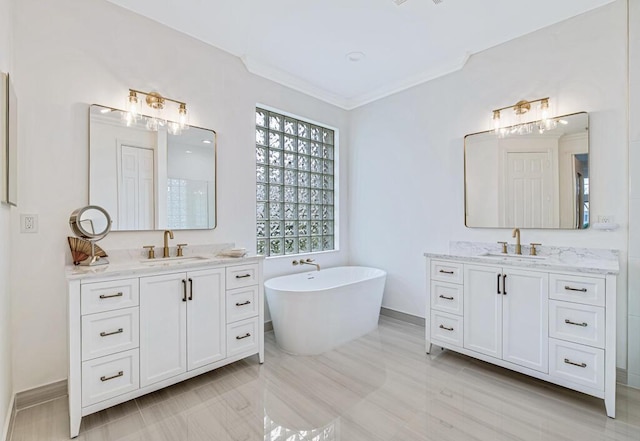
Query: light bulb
{"x": 544, "y": 109}
{"x": 132, "y": 104}
{"x": 496, "y": 120}
{"x": 183, "y": 118}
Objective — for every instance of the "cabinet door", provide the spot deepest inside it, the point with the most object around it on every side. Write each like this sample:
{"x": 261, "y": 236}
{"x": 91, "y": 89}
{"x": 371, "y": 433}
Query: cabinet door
{"x": 525, "y": 319}
{"x": 206, "y": 341}
{"x": 483, "y": 310}
{"x": 163, "y": 338}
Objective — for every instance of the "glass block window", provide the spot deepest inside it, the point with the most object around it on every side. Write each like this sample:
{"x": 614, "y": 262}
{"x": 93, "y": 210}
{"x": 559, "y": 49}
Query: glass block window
{"x": 295, "y": 195}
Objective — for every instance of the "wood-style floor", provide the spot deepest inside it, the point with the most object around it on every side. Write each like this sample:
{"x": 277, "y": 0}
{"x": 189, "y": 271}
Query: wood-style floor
{"x": 381, "y": 387}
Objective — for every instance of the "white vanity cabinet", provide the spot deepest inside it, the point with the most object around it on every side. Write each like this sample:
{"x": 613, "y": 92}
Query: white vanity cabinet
{"x": 506, "y": 314}
{"x": 182, "y": 317}
{"x": 544, "y": 321}
{"x": 134, "y": 331}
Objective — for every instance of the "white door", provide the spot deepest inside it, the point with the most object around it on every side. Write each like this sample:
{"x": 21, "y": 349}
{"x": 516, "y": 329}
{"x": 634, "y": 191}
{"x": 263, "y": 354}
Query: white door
{"x": 525, "y": 319}
{"x": 483, "y": 309}
{"x": 529, "y": 196}
{"x": 206, "y": 326}
{"x": 163, "y": 337}
{"x": 135, "y": 188}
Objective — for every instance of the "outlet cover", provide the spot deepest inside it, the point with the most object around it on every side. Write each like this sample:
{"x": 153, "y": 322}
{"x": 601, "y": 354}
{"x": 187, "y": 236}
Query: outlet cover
{"x": 606, "y": 219}
{"x": 28, "y": 223}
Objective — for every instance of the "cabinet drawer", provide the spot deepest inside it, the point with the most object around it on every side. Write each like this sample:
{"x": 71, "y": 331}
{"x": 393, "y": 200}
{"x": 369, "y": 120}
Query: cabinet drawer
{"x": 110, "y": 376}
{"x": 242, "y": 275}
{"x": 446, "y": 328}
{"x": 446, "y": 271}
{"x": 584, "y": 324}
{"x": 109, "y": 332}
{"x": 242, "y": 303}
{"x": 107, "y": 296}
{"x": 242, "y": 337}
{"x": 578, "y": 364}
{"x": 578, "y": 289}
{"x": 446, "y": 297}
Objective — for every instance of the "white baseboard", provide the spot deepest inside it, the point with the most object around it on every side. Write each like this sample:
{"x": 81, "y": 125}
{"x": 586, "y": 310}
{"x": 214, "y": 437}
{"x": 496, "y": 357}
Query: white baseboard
{"x": 8, "y": 421}
{"x": 403, "y": 316}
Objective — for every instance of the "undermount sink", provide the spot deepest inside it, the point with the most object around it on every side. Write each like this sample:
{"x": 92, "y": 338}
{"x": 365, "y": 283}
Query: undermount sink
{"x": 503, "y": 256}
{"x": 172, "y": 260}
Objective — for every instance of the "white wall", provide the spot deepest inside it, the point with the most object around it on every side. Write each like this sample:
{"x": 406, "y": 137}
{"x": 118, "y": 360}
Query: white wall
{"x": 634, "y": 194}
{"x": 6, "y": 64}
{"x": 74, "y": 53}
{"x": 406, "y": 152}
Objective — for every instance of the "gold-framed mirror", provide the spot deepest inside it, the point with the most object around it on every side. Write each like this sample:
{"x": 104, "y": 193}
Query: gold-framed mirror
{"x": 149, "y": 178}
{"x": 536, "y": 180}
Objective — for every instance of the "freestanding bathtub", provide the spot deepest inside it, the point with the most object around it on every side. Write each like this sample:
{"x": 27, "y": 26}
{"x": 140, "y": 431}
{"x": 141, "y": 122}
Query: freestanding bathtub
{"x": 316, "y": 311}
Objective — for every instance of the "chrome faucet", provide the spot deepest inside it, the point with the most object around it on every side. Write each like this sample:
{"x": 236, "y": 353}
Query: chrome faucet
{"x": 167, "y": 234}
{"x": 516, "y": 234}
{"x": 306, "y": 262}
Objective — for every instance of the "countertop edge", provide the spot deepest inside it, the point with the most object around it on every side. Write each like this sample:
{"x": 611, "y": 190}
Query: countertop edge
{"x": 549, "y": 266}
{"x": 133, "y": 268}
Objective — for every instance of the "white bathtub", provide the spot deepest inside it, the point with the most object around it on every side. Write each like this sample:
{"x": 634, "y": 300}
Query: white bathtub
{"x": 316, "y": 311}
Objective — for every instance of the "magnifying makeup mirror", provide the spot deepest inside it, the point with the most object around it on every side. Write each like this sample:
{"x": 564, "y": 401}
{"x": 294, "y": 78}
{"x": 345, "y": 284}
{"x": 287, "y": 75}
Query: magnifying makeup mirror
{"x": 90, "y": 223}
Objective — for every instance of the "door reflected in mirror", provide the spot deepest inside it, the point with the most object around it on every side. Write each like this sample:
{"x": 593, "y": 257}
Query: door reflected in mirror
{"x": 529, "y": 181}
{"x": 148, "y": 179}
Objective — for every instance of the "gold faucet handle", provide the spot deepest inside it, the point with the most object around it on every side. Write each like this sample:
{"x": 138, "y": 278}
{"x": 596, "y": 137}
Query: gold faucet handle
{"x": 533, "y": 251}
{"x": 152, "y": 253}
{"x": 180, "y": 246}
{"x": 504, "y": 247}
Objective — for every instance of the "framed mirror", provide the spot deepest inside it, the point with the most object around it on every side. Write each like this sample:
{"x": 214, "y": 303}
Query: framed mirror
{"x": 537, "y": 180}
{"x": 151, "y": 179}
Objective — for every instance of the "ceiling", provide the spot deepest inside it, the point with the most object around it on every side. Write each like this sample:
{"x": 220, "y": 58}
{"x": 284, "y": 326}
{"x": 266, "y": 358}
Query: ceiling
{"x": 303, "y": 44}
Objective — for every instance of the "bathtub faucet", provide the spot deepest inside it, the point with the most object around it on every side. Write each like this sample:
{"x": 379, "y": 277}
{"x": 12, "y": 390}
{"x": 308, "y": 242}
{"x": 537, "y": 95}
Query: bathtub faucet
{"x": 306, "y": 262}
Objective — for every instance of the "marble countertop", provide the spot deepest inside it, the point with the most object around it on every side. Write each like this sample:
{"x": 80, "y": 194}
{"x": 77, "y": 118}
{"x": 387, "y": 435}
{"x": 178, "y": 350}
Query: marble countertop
{"x": 125, "y": 263}
{"x": 581, "y": 260}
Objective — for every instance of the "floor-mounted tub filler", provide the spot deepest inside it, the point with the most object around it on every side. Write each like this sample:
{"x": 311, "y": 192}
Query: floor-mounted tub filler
{"x": 316, "y": 311}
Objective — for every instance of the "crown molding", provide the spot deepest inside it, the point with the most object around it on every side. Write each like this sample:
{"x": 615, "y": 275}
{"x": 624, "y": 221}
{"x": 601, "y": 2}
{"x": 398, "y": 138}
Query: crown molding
{"x": 445, "y": 68}
{"x": 296, "y": 83}
{"x": 292, "y": 81}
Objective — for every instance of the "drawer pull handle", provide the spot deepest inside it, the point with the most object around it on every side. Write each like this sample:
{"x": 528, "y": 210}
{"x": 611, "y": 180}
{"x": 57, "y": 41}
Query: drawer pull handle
{"x": 240, "y": 337}
{"x": 243, "y": 276}
{"x": 243, "y": 303}
{"x": 569, "y": 322}
{"x": 445, "y": 297}
{"x": 445, "y": 328}
{"x": 568, "y": 288}
{"x": 109, "y": 296}
{"x": 184, "y": 290}
{"x": 582, "y": 365}
{"x": 446, "y": 272}
{"x": 119, "y": 374}
{"x": 105, "y": 334}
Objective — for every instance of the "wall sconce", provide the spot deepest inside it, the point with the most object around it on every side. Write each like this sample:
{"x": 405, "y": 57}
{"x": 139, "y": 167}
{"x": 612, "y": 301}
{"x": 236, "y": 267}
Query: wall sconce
{"x": 505, "y": 124}
{"x": 158, "y": 119}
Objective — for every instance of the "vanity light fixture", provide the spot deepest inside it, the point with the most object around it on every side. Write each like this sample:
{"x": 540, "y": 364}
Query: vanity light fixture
{"x": 539, "y": 120}
{"x": 158, "y": 119}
